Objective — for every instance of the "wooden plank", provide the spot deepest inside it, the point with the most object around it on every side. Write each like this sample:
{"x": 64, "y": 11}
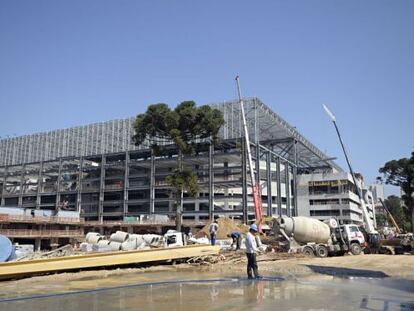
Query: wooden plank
{"x": 16, "y": 269}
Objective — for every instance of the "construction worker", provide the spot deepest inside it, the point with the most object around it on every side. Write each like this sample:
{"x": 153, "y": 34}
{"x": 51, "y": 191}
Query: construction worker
{"x": 236, "y": 236}
{"x": 251, "y": 251}
{"x": 212, "y": 229}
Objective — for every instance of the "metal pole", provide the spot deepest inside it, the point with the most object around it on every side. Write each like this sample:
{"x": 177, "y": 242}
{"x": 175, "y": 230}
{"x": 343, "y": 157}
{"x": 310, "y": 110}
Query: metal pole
{"x": 257, "y": 198}
{"x": 246, "y": 133}
{"x": 244, "y": 184}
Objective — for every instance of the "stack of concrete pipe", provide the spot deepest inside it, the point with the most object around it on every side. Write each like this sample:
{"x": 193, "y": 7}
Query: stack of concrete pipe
{"x": 120, "y": 240}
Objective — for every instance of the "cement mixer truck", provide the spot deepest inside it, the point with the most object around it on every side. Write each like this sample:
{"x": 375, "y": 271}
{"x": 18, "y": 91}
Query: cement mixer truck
{"x": 313, "y": 237}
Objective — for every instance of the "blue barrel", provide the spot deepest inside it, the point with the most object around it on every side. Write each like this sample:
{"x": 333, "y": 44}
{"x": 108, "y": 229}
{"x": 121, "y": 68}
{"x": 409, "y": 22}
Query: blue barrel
{"x": 6, "y": 248}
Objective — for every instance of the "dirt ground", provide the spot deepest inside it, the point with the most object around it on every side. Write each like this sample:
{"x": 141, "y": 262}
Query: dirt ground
{"x": 399, "y": 266}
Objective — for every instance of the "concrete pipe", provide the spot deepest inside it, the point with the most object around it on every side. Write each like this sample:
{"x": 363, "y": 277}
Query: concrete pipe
{"x": 129, "y": 245}
{"x": 138, "y": 237}
{"x": 94, "y": 239}
{"x": 103, "y": 243}
{"x": 305, "y": 229}
{"x": 115, "y": 246}
{"x": 152, "y": 239}
{"x": 119, "y": 236}
{"x": 91, "y": 234}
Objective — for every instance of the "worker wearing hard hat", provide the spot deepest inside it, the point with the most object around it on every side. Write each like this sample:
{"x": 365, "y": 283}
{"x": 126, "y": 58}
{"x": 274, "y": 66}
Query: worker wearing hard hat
{"x": 251, "y": 251}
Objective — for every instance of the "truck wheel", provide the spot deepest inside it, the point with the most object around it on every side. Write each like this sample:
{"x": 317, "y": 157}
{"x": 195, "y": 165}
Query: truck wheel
{"x": 355, "y": 249}
{"x": 308, "y": 251}
{"x": 322, "y": 251}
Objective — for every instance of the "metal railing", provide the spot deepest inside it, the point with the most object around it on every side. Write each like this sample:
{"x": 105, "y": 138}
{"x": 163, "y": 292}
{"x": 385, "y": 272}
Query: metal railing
{"x": 26, "y": 233}
{"x": 40, "y": 219}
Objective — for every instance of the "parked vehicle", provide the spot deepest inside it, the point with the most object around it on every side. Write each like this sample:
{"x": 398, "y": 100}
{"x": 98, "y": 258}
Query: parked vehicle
{"x": 314, "y": 237}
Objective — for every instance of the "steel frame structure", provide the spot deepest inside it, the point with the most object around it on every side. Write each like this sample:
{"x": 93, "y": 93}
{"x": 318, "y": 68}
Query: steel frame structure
{"x": 96, "y": 170}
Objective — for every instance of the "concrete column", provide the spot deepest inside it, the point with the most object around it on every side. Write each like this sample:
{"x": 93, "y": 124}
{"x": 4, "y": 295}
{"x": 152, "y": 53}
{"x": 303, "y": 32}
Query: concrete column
{"x": 39, "y": 185}
{"x": 2, "y": 203}
{"x": 102, "y": 189}
{"x": 295, "y": 181}
{"x": 58, "y": 184}
{"x": 37, "y": 245}
{"x": 126, "y": 176}
{"x": 279, "y": 187}
{"x": 211, "y": 181}
{"x": 20, "y": 199}
{"x": 79, "y": 195}
{"x": 287, "y": 188}
{"x": 152, "y": 184}
{"x": 269, "y": 183}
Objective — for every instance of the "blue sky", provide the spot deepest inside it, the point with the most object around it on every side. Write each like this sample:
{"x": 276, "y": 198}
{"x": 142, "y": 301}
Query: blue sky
{"x": 67, "y": 63}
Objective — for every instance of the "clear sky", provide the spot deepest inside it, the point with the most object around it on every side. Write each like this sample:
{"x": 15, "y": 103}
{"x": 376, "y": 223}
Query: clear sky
{"x": 67, "y": 63}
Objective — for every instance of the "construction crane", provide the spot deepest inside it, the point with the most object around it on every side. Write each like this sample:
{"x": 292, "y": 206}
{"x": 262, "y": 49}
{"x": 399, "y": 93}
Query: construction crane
{"x": 256, "y": 187}
{"x": 390, "y": 216}
{"x": 369, "y": 226}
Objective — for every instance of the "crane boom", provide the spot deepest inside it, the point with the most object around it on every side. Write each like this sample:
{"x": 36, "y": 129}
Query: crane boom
{"x": 369, "y": 226}
{"x": 257, "y": 190}
{"x": 390, "y": 216}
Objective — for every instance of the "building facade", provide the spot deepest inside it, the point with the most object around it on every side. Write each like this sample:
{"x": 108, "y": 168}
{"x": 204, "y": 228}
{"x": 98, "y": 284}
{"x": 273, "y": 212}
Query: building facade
{"x": 333, "y": 195}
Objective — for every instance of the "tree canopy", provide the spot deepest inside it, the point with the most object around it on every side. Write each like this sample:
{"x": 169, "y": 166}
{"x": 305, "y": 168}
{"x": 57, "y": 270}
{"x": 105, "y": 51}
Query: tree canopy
{"x": 184, "y": 126}
{"x": 401, "y": 173}
{"x": 395, "y": 206}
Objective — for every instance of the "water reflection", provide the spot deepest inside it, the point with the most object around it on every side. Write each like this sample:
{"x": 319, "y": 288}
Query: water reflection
{"x": 228, "y": 293}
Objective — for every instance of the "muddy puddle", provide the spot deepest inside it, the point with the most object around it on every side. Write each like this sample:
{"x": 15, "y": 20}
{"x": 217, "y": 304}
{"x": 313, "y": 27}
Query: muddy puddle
{"x": 195, "y": 291}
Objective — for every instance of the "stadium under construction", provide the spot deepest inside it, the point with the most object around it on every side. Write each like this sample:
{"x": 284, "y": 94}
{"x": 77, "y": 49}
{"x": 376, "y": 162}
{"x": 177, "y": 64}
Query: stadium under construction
{"x": 96, "y": 170}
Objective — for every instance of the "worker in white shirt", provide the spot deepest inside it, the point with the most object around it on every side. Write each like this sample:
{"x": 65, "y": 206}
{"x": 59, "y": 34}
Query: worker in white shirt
{"x": 251, "y": 251}
{"x": 212, "y": 230}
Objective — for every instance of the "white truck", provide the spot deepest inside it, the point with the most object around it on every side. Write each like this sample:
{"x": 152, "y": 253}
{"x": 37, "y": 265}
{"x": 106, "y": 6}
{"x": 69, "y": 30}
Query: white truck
{"x": 313, "y": 237}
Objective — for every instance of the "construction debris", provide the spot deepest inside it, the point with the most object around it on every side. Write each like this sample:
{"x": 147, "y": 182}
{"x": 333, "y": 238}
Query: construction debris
{"x": 206, "y": 260}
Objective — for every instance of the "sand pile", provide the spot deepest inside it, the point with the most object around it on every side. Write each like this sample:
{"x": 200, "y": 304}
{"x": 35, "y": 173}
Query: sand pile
{"x": 226, "y": 226}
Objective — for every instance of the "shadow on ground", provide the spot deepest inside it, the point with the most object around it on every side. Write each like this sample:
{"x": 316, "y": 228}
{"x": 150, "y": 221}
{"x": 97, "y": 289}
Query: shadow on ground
{"x": 347, "y": 272}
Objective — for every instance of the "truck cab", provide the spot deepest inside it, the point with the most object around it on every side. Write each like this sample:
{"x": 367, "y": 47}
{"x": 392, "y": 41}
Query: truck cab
{"x": 353, "y": 237}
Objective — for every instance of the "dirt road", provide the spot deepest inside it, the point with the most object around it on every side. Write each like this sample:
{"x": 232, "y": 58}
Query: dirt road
{"x": 401, "y": 266}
